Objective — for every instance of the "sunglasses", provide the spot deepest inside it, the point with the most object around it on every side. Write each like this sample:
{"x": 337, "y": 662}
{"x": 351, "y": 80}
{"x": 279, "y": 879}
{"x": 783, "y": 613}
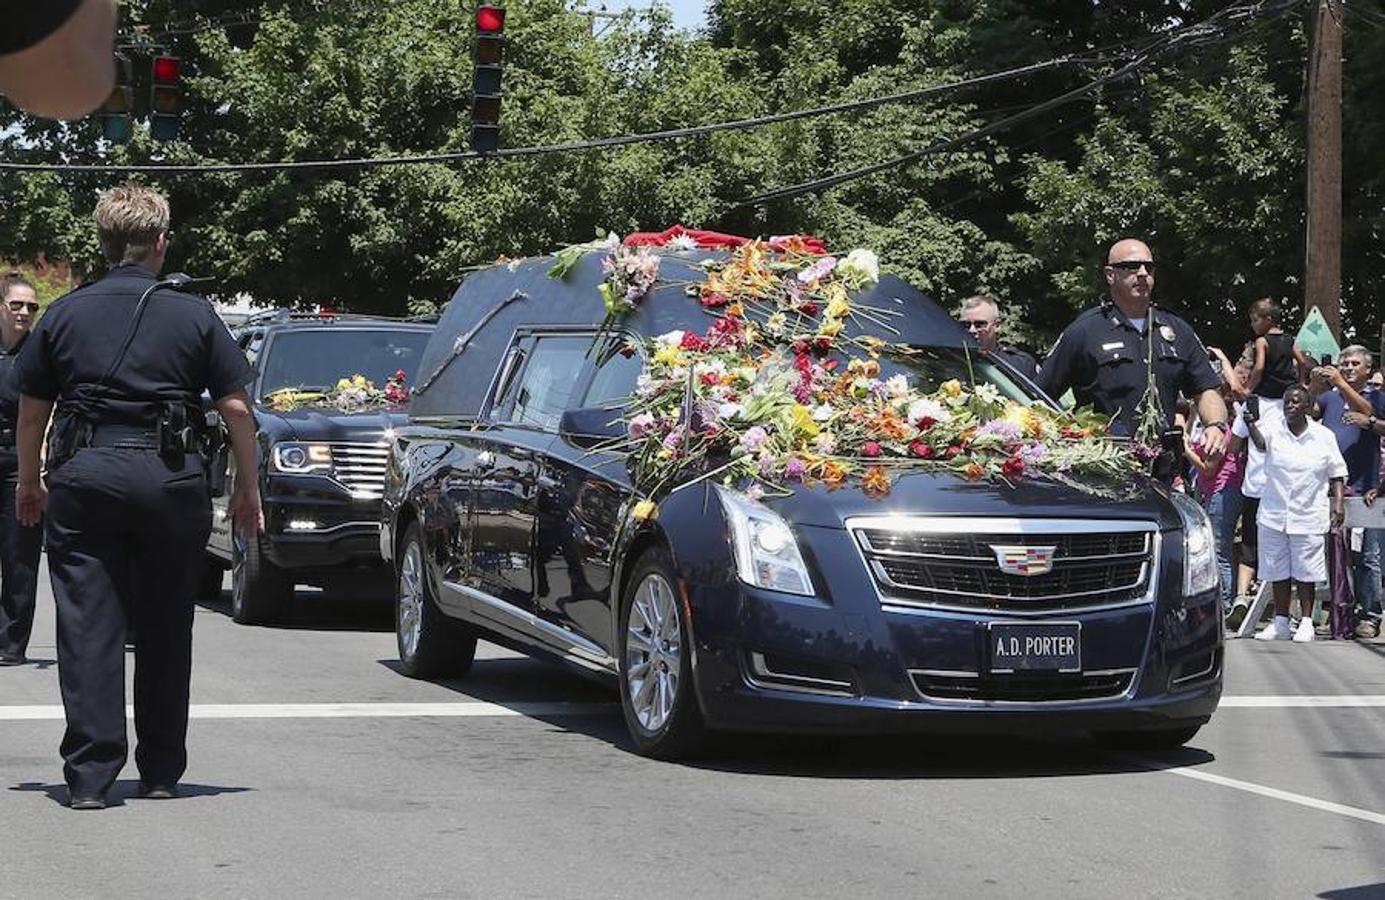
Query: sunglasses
{"x": 1134, "y": 265}
{"x": 17, "y": 305}
{"x": 973, "y": 324}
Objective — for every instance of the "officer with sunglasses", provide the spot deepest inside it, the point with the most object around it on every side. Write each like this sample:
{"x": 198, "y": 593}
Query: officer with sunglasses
{"x": 1106, "y": 358}
{"x": 981, "y": 318}
{"x": 20, "y": 545}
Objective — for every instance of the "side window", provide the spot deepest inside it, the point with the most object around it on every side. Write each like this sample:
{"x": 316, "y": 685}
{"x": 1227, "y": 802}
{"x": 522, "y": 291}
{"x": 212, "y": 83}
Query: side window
{"x": 251, "y": 344}
{"x": 615, "y": 381}
{"x": 544, "y": 387}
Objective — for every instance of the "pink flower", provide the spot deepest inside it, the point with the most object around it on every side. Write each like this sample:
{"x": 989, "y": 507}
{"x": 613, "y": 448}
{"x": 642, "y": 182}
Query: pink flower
{"x": 870, "y": 448}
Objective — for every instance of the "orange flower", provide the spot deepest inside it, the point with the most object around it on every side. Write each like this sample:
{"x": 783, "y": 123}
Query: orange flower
{"x": 832, "y": 474}
{"x": 876, "y": 481}
{"x": 889, "y": 425}
{"x": 973, "y": 471}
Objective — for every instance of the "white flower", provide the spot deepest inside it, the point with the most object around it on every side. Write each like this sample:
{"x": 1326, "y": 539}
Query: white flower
{"x": 645, "y": 385}
{"x": 729, "y": 410}
{"x": 987, "y": 393}
{"x": 683, "y": 243}
{"x": 822, "y": 413}
{"x": 670, "y": 339}
{"x": 610, "y": 241}
{"x": 897, "y": 386}
{"x": 860, "y": 264}
{"x": 928, "y": 409}
{"x": 825, "y": 443}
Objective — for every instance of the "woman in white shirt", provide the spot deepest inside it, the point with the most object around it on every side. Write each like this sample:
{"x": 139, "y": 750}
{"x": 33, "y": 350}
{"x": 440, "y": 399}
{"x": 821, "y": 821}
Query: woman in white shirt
{"x": 1303, "y": 465}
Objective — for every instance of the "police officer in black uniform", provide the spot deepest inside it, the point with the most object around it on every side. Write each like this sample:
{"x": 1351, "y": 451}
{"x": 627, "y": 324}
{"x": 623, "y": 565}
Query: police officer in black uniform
{"x": 1104, "y": 355}
{"x": 981, "y": 317}
{"x": 20, "y": 545}
{"x": 126, "y": 359}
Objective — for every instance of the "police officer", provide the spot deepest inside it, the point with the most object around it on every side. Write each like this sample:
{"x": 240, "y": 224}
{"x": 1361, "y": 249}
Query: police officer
{"x": 1104, "y": 355}
{"x": 981, "y": 316}
{"x": 126, "y": 359}
{"x": 19, "y": 545}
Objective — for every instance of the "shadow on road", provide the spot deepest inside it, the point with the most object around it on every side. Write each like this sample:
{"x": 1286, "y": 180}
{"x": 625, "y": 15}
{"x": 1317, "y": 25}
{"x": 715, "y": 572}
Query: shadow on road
{"x": 1363, "y": 892}
{"x": 323, "y": 611}
{"x": 125, "y": 790}
{"x": 908, "y": 756}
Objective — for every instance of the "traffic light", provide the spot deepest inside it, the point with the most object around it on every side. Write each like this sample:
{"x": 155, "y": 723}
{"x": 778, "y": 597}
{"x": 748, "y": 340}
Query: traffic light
{"x": 115, "y": 112}
{"x": 165, "y": 97}
{"x": 485, "y": 88}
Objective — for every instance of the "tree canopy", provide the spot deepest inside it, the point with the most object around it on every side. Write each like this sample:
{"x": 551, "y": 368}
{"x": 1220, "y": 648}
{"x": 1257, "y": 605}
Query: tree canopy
{"x": 1203, "y": 155}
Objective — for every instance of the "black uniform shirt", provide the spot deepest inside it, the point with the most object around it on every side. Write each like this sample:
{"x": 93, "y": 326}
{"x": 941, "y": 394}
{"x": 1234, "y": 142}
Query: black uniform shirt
{"x": 1019, "y": 361}
{"x": 9, "y": 388}
{"x": 1102, "y": 357}
{"x": 180, "y": 349}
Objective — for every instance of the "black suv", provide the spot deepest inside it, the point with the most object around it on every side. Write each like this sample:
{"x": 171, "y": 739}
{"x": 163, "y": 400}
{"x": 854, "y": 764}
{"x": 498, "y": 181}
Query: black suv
{"x": 321, "y": 469}
{"x": 953, "y": 602}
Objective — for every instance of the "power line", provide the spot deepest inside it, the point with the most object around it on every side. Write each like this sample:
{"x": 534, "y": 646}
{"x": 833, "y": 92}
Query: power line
{"x": 1185, "y": 38}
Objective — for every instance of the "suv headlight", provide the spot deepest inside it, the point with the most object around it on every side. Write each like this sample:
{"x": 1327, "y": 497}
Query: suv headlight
{"x": 766, "y": 553}
{"x": 297, "y": 458}
{"x": 1199, "y": 547}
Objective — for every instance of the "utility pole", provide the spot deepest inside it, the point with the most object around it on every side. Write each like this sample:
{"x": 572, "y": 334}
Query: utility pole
{"x": 1323, "y": 278}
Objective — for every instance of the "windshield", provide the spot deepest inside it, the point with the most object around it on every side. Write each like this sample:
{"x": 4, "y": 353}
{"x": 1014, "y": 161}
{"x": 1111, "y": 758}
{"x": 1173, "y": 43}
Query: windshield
{"x": 934, "y": 365}
{"x": 316, "y": 359}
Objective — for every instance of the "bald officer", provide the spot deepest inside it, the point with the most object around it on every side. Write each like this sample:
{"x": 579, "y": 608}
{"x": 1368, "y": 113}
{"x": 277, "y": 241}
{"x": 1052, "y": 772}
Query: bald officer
{"x": 1104, "y": 355}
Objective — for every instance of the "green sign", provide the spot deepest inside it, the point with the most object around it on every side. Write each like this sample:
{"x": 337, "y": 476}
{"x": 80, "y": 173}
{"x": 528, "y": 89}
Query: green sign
{"x": 1315, "y": 338}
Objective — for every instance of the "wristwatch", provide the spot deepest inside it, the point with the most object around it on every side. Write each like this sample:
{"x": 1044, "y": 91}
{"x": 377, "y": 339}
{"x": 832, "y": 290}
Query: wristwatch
{"x": 1370, "y": 423}
{"x": 1221, "y": 425}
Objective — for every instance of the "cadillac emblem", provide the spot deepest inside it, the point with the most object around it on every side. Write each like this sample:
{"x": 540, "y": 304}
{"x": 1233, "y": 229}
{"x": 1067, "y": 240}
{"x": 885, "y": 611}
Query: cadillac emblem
{"x": 1024, "y": 560}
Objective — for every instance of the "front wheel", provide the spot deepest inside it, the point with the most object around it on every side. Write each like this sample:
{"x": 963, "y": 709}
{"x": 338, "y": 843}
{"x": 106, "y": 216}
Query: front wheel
{"x": 260, "y": 591}
{"x": 656, "y": 686}
{"x": 431, "y": 645}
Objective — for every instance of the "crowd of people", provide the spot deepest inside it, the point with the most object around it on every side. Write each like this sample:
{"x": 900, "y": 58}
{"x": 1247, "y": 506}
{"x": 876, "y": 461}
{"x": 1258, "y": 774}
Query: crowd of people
{"x": 1274, "y": 444}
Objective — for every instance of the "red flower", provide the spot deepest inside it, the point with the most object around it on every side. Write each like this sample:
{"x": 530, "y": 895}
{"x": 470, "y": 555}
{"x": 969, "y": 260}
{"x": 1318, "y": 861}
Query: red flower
{"x": 809, "y": 309}
{"x": 952, "y": 451}
{"x": 693, "y": 341}
{"x": 1013, "y": 467}
{"x": 830, "y": 365}
{"x": 822, "y": 345}
{"x": 711, "y": 300}
{"x": 922, "y": 450}
{"x": 401, "y": 376}
{"x": 870, "y": 448}
{"x": 800, "y": 348}
{"x": 926, "y": 422}
{"x": 711, "y": 379}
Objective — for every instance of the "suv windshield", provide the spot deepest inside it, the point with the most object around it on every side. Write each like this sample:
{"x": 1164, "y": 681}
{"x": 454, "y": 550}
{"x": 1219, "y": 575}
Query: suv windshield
{"x": 934, "y": 365}
{"x": 319, "y": 357}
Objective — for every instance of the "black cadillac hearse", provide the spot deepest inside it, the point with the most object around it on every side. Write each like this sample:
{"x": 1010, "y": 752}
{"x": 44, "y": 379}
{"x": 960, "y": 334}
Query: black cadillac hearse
{"x": 817, "y": 611}
{"x": 321, "y": 469}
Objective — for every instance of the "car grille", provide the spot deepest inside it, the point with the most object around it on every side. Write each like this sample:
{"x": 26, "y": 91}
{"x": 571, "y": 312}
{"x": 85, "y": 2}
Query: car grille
{"x": 361, "y": 467}
{"x": 1022, "y": 687}
{"x": 1094, "y": 563}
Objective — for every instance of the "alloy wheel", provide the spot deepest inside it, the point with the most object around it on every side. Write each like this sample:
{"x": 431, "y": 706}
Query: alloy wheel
{"x": 409, "y": 603}
{"x": 653, "y": 653}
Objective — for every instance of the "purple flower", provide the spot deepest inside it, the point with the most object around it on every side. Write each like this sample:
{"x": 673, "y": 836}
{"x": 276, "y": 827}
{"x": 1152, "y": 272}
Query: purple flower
{"x": 1032, "y": 454}
{"x": 1004, "y": 429}
{"x": 753, "y": 438}
{"x": 766, "y": 464}
{"x": 673, "y": 439}
{"x": 795, "y": 470}
{"x": 641, "y": 425}
{"x": 818, "y": 270}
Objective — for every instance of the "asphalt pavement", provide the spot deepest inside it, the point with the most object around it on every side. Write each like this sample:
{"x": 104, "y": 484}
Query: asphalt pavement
{"x": 318, "y": 770}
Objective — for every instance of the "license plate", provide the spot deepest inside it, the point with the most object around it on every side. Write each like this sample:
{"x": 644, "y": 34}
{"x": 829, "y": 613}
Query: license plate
{"x": 1035, "y": 647}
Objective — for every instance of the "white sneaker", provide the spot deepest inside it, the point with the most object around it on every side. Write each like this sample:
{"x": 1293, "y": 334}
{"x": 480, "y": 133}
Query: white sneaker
{"x": 1278, "y": 630}
{"x": 1304, "y": 632}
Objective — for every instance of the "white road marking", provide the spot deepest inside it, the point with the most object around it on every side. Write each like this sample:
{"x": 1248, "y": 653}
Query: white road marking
{"x": 1291, "y": 701}
{"x": 1353, "y": 812}
{"x": 344, "y": 710}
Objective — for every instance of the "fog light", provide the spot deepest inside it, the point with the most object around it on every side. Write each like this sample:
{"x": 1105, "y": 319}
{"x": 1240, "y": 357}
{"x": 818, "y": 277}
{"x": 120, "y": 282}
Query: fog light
{"x": 302, "y": 525}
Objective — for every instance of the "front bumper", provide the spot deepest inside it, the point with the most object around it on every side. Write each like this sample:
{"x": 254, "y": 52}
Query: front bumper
{"x": 314, "y": 523}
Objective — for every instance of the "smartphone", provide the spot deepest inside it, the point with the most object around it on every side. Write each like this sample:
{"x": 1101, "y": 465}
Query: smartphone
{"x": 1326, "y": 360}
{"x": 1253, "y": 406}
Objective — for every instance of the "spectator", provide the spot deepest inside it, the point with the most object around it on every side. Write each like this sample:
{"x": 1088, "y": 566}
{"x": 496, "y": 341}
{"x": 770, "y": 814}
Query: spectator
{"x": 981, "y": 316}
{"x": 1278, "y": 359}
{"x": 1347, "y": 410}
{"x": 1217, "y": 484}
{"x": 1270, "y": 419}
{"x": 1302, "y": 463}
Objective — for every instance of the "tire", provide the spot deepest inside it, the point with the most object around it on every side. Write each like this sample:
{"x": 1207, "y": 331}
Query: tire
{"x": 1163, "y": 739}
{"x": 260, "y": 591}
{"x": 431, "y": 645}
{"x": 655, "y": 659}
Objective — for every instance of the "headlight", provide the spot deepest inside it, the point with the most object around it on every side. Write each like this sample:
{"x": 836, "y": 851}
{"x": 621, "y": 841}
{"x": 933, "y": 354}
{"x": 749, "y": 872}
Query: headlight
{"x": 766, "y": 553}
{"x": 1199, "y": 547}
{"x": 298, "y": 458}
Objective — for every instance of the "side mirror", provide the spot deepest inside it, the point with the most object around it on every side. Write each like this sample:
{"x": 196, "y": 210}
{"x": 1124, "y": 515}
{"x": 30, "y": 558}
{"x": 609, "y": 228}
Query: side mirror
{"x": 590, "y": 426}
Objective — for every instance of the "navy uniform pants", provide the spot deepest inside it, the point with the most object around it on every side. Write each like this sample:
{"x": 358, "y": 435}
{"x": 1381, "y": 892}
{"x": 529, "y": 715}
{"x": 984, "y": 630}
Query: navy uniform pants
{"x": 127, "y": 530}
{"x": 19, "y": 553}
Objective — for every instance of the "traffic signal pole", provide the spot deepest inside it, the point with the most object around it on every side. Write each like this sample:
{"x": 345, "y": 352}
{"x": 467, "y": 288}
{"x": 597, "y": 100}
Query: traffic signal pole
{"x": 1323, "y": 278}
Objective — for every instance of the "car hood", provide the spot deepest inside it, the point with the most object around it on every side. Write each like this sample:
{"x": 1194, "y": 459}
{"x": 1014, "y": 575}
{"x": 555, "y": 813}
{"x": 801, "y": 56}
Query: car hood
{"x": 325, "y": 424}
{"x": 947, "y": 495}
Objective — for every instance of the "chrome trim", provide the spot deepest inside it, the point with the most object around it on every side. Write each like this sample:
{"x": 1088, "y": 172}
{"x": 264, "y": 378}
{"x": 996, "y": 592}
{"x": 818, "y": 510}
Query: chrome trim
{"x": 965, "y": 701}
{"x": 286, "y": 530}
{"x": 980, "y": 525}
{"x": 1106, "y": 590}
{"x": 578, "y": 649}
{"x": 1184, "y": 679}
{"x": 759, "y": 668}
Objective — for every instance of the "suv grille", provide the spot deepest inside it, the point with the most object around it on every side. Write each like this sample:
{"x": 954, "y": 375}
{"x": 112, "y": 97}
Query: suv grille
{"x": 1023, "y": 688}
{"x": 947, "y": 564}
{"x": 361, "y": 467}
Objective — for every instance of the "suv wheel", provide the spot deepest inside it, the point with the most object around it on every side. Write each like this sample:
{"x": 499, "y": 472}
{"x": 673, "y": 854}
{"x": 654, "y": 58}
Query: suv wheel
{"x": 431, "y": 645}
{"x": 260, "y": 591}
{"x": 656, "y": 687}
{"x": 1161, "y": 739}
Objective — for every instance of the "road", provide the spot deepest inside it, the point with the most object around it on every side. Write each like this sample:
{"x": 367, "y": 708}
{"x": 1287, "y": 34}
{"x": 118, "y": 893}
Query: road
{"x": 317, "y": 770}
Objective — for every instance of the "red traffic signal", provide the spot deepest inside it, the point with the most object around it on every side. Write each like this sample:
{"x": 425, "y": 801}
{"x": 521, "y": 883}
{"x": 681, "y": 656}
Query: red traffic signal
{"x": 490, "y": 19}
{"x": 167, "y": 69}
{"x": 165, "y": 97}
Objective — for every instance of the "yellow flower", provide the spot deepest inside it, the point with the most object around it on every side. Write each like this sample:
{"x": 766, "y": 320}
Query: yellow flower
{"x": 344, "y": 384}
{"x": 802, "y": 420}
{"x": 645, "y": 510}
{"x": 953, "y": 388}
{"x": 876, "y": 481}
{"x": 830, "y": 328}
{"x": 358, "y": 381}
{"x": 669, "y": 356}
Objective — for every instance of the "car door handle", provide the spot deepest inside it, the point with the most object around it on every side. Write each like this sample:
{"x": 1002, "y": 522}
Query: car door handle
{"x": 485, "y": 460}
